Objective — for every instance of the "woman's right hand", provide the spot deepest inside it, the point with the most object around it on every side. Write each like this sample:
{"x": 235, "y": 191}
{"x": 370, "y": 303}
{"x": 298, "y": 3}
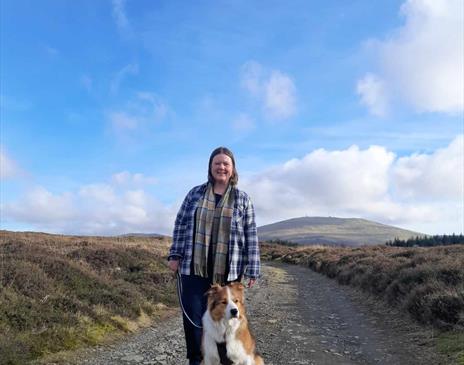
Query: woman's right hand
{"x": 173, "y": 265}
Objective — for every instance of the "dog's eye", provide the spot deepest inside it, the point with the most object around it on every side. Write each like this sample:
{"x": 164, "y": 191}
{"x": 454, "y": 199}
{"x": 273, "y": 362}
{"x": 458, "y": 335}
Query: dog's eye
{"x": 235, "y": 300}
{"x": 224, "y": 302}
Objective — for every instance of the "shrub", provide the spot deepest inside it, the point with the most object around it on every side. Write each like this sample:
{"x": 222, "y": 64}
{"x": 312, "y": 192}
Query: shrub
{"x": 62, "y": 292}
{"x": 426, "y": 282}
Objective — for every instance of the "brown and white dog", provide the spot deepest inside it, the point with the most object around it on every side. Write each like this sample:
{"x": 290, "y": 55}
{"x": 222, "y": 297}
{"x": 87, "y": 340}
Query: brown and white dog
{"x": 225, "y": 322}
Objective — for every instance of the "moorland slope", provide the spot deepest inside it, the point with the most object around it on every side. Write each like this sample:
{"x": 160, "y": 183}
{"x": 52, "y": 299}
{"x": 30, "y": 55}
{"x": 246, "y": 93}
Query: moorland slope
{"x": 63, "y": 292}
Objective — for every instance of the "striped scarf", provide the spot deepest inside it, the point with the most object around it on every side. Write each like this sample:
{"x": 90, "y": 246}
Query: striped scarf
{"x": 212, "y": 232}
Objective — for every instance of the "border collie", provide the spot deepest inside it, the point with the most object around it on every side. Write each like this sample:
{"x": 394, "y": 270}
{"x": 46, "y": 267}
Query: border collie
{"x": 225, "y": 322}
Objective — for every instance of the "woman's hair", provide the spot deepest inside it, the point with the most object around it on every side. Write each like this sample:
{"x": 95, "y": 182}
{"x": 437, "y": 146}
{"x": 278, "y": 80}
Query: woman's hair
{"x": 227, "y": 152}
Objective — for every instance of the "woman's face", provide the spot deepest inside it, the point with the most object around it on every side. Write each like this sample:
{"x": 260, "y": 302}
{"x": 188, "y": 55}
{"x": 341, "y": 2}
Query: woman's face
{"x": 221, "y": 168}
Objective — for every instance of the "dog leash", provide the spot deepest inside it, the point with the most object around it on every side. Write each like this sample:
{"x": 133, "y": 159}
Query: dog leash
{"x": 179, "y": 295}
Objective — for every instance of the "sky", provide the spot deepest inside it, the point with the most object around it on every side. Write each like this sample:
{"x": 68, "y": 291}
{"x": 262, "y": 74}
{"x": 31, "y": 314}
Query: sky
{"x": 111, "y": 109}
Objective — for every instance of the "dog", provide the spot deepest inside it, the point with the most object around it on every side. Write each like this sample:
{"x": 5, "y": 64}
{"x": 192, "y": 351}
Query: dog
{"x": 225, "y": 322}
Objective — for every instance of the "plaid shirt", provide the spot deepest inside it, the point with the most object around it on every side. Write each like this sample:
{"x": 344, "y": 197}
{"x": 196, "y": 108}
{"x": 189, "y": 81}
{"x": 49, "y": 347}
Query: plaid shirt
{"x": 243, "y": 242}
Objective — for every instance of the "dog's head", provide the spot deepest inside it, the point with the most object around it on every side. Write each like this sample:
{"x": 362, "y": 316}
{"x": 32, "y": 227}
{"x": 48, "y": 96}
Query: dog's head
{"x": 226, "y": 302}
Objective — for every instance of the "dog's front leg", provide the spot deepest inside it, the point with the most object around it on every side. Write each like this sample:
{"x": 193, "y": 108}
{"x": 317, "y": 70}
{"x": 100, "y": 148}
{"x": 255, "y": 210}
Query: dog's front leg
{"x": 210, "y": 352}
{"x": 211, "y": 361}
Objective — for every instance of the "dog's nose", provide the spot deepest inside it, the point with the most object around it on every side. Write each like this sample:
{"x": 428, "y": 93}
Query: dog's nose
{"x": 234, "y": 312}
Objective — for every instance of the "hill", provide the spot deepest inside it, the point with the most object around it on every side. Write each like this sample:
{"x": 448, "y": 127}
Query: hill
{"x": 333, "y": 231}
{"x": 146, "y": 235}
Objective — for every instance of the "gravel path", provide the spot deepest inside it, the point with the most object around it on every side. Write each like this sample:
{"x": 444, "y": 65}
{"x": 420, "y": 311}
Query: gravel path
{"x": 298, "y": 317}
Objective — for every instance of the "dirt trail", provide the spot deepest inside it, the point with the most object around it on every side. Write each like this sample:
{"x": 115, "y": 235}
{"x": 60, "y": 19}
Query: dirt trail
{"x": 310, "y": 319}
{"x": 298, "y": 317}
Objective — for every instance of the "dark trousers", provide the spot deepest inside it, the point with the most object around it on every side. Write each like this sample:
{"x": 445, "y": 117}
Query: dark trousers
{"x": 194, "y": 302}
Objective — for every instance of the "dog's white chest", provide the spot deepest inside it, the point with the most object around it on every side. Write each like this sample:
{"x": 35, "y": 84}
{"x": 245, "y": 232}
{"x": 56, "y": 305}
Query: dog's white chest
{"x": 236, "y": 353}
{"x": 215, "y": 330}
{"x": 235, "y": 350}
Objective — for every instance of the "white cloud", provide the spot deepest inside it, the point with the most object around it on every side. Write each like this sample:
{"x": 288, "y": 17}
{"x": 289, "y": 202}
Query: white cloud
{"x": 252, "y": 75}
{"x": 423, "y": 191}
{"x": 373, "y": 94}
{"x": 272, "y": 88}
{"x": 324, "y": 180}
{"x": 142, "y": 111}
{"x": 118, "y": 78}
{"x": 243, "y": 123}
{"x": 154, "y": 107}
{"x": 420, "y": 191}
{"x": 39, "y": 206}
{"x": 279, "y": 96}
{"x": 9, "y": 169}
{"x": 423, "y": 61}
{"x": 122, "y": 121}
{"x": 102, "y": 193}
{"x": 435, "y": 176}
{"x": 120, "y": 17}
{"x": 93, "y": 209}
{"x": 126, "y": 178}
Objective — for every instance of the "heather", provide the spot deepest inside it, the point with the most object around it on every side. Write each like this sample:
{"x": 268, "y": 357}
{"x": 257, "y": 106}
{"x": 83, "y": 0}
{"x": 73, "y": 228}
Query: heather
{"x": 427, "y": 282}
{"x": 64, "y": 292}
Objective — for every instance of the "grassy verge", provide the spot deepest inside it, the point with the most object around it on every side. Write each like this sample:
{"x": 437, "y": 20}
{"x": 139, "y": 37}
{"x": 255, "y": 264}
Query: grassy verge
{"x": 64, "y": 292}
{"x": 428, "y": 283}
{"x": 452, "y": 344}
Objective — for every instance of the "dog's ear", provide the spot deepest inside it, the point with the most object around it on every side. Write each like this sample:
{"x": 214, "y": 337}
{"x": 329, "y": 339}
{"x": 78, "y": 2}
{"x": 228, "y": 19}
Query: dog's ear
{"x": 237, "y": 286}
{"x": 213, "y": 290}
{"x": 239, "y": 289}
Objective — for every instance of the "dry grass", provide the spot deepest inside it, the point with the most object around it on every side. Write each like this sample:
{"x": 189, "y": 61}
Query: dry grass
{"x": 62, "y": 292}
{"x": 426, "y": 282}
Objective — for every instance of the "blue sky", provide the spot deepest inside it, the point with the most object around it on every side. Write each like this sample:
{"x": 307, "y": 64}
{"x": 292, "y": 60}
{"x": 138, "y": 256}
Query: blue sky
{"x": 110, "y": 109}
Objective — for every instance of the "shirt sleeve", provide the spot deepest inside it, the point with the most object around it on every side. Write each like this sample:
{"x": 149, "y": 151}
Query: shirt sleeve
{"x": 251, "y": 238}
{"x": 178, "y": 238}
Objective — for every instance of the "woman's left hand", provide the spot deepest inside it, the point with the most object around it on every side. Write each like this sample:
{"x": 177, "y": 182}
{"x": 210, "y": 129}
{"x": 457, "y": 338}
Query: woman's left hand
{"x": 251, "y": 282}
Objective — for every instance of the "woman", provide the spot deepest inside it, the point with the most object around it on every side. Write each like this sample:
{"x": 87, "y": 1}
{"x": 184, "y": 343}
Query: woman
{"x": 214, "y": 241}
